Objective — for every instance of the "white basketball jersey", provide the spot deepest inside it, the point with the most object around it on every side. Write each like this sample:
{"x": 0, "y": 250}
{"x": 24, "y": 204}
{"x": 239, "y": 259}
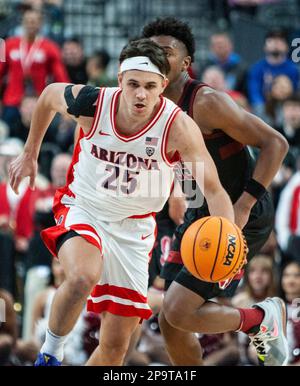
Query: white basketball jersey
{"x": 116, "y": 176}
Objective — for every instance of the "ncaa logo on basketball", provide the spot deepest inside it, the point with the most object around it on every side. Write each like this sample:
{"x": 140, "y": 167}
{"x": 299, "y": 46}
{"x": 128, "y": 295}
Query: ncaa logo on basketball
{"x": 230, "y": 250}
{"x": 150, "y": 151}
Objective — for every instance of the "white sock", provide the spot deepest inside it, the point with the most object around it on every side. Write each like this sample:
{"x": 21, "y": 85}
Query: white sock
{"x": 54, "y": 345}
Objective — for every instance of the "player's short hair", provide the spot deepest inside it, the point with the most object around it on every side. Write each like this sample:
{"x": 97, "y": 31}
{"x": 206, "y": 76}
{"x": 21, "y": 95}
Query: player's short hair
{"x": 170, "y": 26}
{"x": 146, "y": 47}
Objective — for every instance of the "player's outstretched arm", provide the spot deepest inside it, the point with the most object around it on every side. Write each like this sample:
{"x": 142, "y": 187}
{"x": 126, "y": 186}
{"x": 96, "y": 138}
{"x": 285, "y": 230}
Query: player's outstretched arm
{"x": 185, "y": 137}
{"x": 50, "y": 102}
{"x": 215, "y": 109}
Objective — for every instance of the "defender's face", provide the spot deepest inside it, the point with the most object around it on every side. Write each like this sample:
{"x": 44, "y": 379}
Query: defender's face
{"x": 141, "y": 91}
{"x": 176, "y": 53}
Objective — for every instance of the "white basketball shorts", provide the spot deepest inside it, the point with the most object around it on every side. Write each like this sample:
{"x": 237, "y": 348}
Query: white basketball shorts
{"x": 126, "y": 247}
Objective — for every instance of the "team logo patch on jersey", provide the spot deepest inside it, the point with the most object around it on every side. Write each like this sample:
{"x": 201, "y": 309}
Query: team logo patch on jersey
{"x": 150, "y": 151}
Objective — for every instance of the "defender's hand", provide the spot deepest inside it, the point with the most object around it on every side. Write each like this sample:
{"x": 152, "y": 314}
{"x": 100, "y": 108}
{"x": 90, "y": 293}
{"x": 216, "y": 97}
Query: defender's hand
{"x": 23, "y": 166}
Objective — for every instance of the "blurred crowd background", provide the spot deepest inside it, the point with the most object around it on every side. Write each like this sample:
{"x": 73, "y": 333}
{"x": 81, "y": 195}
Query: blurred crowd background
{"x": 246, "y": 48}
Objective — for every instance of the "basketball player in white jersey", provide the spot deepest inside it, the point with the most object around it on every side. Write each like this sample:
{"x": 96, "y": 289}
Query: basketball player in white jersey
{"x": 105, "y": 226}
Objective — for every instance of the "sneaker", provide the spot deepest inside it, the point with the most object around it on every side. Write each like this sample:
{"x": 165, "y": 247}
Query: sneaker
{"x": 44, "y": 359}
{"x": 270, "y": 342}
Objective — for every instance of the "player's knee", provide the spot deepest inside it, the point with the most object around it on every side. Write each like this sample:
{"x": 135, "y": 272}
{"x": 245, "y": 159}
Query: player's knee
{"x": 164, "y": 326}
{"x": 173, "y": 314}
{"x": 82, "y": 283}
{"x": 115, "y": 347}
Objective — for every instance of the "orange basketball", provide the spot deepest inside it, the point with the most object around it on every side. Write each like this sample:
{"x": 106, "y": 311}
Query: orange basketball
{"x": 213, "y": 249}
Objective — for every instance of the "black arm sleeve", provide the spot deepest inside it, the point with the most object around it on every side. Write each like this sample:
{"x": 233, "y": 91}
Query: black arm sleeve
{"x": 83, "y": 104}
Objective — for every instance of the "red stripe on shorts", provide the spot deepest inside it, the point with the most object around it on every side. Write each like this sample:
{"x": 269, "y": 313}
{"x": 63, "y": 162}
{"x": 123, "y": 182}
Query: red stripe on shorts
{"x": 51, "y": 235}
{"x": 118, "y": 309}
{"x": 120, "y": 292}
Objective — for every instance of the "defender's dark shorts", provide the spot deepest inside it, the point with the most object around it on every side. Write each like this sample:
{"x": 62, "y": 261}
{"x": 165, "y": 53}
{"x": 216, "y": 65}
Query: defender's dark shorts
{"x": 256, "y": 232}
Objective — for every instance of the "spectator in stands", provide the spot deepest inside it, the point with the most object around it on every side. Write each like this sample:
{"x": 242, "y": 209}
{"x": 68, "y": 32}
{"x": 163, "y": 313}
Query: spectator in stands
{"x": 287, "y": 221}
{"x": 249, "y": 8}
{"x": 290, "y": 127}
{"x": 13, "y": 351}
{"x": 97, "y": 70}
{"x": 219, "y": 349}
{"x": 53, "y": 17}
{"x": 262, "y": 73}
{"x": 8, "y": 329}
{"x": 214, "y": 77}
{"x": 259, "y": 282}
{"x": 222, "y": 55}
{"x": 30, "y": 61}
{"x": 74, "y": 60}
{"x": 20, "y": 127}
{"x": 281, "y": 89}
{"x": 282, "y": 177}
{"x": 65, "y": 133}
{"x": 290, "y": 284}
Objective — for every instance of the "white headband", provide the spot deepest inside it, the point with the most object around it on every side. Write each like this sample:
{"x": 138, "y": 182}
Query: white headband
{"x": 140, "y": 63}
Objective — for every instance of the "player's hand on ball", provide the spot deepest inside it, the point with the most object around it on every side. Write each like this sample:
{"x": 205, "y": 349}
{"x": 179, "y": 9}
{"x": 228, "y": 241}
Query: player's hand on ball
{"x": 23, "y": 166}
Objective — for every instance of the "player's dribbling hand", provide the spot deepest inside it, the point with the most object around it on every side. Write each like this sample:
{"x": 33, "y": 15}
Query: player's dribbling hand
{"x": 23, "y": 166}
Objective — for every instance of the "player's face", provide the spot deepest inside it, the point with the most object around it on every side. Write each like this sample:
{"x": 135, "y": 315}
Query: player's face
{"x": 176, "y": 53}
{"x": 141, "y": 91}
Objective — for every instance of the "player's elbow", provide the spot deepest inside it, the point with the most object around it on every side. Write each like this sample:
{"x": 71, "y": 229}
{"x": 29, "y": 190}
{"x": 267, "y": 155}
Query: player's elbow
{"x": 50, "y": 92}
{"x": 213, "y": 188}
{"x": 51, "y": 88}
{"x": 279, "y": 145}
{"x": 52, "y": 97}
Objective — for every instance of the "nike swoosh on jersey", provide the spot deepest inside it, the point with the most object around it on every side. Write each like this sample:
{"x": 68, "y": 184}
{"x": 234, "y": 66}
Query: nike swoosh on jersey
{"x": 102, "y": 133}
{"x": 144, "y": 237}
